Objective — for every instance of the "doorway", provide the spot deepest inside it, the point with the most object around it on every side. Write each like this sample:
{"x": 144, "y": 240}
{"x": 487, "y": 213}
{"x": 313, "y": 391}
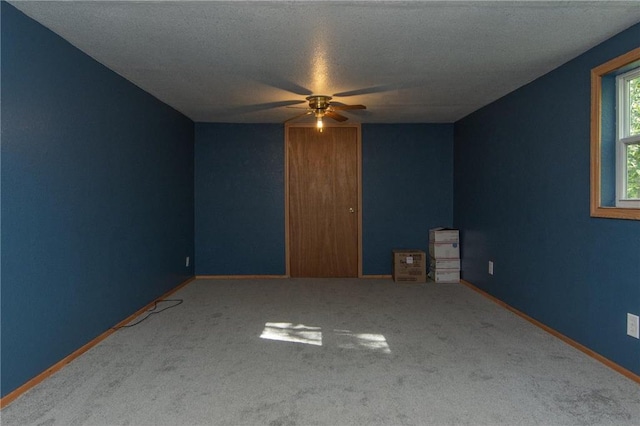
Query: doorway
{"x": 323, "y": 208}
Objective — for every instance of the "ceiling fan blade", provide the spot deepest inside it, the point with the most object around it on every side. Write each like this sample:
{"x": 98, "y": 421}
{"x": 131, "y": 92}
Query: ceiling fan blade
{"x": 297, "y": 116}
{"x": 247, "y": 109}
{"x": 346, "y": 107}
{"x": 278, "y": 82}
{"x": 335, "y": 116}
{"x": 267, "y": 105}
{"x": 379, "y": 89}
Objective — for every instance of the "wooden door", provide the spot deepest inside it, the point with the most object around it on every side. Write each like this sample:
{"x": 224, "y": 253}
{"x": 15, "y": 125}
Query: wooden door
{"x": 323, "y": 201}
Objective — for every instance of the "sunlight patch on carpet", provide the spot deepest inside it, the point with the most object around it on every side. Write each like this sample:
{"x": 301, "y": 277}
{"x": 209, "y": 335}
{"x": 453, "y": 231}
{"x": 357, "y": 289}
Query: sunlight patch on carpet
{"x": 374, "y": 342}
{"x": 344, "y": 339}
{"x": 288, "y": 332}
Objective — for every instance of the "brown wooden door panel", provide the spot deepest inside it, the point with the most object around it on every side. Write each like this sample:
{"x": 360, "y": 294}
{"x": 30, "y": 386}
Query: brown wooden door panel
{"x": 323, "y": 187}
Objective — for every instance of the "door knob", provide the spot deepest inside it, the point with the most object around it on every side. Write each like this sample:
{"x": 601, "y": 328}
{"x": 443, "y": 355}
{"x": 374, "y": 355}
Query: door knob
{"x": 351, "y": 210}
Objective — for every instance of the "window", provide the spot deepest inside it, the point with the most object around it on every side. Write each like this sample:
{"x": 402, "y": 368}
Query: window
{"x": 628, "y": 139}
{"x": 615, "y": 138}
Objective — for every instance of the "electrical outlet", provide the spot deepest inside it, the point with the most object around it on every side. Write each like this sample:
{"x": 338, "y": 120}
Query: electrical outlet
{"x": 633, "y": 326}
{"x": 490, "y": 267}
{"x": 186, "y": 262}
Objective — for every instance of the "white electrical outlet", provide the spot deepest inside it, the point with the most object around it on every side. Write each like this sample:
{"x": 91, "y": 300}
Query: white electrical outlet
{"x": 633, "y": 326}
{"x": 186, "y": 263}
{"x": 490, "y": 267}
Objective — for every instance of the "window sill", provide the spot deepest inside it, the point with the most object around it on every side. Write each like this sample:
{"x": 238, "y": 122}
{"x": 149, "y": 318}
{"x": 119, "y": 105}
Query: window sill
{"x": 616, "y": 212}
{"x": 628, "y": 204}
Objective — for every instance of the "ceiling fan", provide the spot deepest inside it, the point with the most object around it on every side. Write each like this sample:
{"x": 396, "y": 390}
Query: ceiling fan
{"x": 320, "y": 106}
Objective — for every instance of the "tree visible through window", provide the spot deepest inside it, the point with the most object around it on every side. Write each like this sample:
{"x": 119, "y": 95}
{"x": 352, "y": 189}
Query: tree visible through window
{"x": 633, "y": 171}
{"x": 633, "y": 150}
{"x": 628, "y": 168}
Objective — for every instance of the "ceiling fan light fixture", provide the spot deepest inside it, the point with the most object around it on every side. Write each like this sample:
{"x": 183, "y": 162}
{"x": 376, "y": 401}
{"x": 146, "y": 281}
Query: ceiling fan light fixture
{"x": 320, "y": 106}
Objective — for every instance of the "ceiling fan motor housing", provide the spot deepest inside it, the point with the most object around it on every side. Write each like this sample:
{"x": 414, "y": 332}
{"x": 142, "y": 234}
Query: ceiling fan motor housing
{"x": 319, "y": 102}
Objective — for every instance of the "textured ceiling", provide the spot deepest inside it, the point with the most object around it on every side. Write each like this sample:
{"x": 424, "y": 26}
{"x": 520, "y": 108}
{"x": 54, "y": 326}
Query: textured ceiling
{"x": 408, "y": 61}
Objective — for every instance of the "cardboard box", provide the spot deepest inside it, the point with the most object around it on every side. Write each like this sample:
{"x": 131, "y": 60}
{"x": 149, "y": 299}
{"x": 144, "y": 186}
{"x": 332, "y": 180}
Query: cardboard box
{"x": 409, "y": 266}
{"x": 445, "y": 275}
{"x": 444, "y": 250}
{"x": 444, "y": 263}
{"x": 444, "y": 235}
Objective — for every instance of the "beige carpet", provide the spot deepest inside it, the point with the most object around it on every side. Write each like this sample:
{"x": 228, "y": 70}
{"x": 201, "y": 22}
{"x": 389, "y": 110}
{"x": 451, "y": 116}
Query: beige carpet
{"x": 330, "y": 352}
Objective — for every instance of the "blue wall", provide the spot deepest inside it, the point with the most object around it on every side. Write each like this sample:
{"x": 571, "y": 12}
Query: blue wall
{"x": 239, "y": 208}
{"x": 407, "y": 185}
{"x": 407, "y": 188}
{"x": 97, "y": 198}
{"x": 98, "y": 201}
{"x": 522, "y": 200}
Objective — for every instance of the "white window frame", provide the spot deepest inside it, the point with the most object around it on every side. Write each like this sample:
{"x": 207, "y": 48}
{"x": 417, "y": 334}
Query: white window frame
{"x": 623, "y": 139}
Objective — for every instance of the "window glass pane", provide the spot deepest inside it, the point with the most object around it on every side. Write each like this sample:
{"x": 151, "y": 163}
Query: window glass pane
{"x": 634, "y": 106}
{"x": 633, "y": 171}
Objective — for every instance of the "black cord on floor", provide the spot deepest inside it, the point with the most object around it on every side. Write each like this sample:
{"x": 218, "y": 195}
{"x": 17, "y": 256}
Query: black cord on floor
{"x": 152, "y": 311}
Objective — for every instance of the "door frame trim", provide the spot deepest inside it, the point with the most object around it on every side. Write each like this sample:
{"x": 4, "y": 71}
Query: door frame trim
{"x": 287, "y": 223}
